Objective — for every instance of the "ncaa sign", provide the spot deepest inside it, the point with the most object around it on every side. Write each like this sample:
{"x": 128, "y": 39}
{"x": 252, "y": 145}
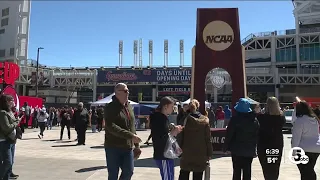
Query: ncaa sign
{"x": 218, "y": 35}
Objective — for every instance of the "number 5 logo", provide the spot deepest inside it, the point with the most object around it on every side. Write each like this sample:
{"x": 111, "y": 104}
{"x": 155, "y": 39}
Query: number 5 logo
{"x": 298, "y": 156}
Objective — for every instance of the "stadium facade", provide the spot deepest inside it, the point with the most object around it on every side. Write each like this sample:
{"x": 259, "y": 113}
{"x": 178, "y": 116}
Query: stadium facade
{"x": 280, "y": 63}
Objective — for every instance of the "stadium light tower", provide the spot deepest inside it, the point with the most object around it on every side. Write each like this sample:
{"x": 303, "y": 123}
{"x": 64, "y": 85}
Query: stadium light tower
{"x": 37, "y": 70}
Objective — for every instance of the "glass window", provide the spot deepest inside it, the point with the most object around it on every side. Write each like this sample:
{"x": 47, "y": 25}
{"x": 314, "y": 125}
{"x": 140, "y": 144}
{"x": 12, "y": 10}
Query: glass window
{"x": 2, "y": 31}
{"x": 5, "y": 12}
{"x": 4, "y": 22}
{"x": 11, "y": 51}
{"x": 288, "y": 113}
{"x": 2, "y": 53}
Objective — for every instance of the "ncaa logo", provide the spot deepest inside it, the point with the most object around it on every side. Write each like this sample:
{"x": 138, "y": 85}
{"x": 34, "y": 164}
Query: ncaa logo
{"x": 218, "y": 35}
{"x": 298, "y": 156}
{"x": 218, "y": 81}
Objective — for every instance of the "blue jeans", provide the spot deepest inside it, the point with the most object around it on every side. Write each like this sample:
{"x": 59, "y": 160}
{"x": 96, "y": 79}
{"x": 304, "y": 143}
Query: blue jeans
{"x": 7, "y": 155}
{"x": 94, "y": 128}
{"x": 119, "y": 158}
{"x": 49, "y": 124}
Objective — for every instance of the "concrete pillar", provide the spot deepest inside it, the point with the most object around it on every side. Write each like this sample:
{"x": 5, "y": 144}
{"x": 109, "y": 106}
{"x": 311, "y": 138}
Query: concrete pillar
{"x": 215, "y": 94}
{"x": 154, "y": 92}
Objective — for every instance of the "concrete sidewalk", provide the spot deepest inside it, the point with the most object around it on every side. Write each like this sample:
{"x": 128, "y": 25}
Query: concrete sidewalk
{"x": 52, "y": 159}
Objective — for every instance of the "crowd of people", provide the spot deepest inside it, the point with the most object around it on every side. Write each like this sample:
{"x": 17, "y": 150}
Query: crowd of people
{"x": 251, "y": 132}
{"x": 13, "y": 123}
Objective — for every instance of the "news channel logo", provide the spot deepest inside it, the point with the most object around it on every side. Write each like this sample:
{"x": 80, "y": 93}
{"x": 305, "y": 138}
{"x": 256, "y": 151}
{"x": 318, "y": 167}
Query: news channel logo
{"x": 298, "y": 156}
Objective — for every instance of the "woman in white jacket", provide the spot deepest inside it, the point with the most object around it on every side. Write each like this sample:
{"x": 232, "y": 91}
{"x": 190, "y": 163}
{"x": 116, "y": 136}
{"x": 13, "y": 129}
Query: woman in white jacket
{"x": 42, "y": 120}
{"x": 305, "y": 134}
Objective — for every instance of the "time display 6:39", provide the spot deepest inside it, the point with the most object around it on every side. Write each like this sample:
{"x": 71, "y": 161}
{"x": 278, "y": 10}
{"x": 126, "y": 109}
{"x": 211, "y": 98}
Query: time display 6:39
{"x": 272, "y": 151}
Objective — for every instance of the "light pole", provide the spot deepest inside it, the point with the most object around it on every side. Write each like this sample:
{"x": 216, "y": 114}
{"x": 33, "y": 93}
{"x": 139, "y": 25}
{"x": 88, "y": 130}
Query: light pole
{"x": 37, "y": 70}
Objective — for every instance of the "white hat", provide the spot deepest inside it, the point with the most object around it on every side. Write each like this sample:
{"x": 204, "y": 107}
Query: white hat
{"x": 43, "y": 109}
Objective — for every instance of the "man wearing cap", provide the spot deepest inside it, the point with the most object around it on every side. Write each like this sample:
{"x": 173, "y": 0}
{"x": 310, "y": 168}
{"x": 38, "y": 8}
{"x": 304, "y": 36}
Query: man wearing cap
{"x": 80, "y": 120}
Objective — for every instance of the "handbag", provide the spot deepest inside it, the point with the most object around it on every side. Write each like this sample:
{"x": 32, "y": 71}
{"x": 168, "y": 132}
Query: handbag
{"x": 172, "y": 149}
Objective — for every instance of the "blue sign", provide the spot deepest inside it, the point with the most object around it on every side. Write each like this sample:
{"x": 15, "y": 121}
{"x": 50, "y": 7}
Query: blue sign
{"x": 160, "y": 76}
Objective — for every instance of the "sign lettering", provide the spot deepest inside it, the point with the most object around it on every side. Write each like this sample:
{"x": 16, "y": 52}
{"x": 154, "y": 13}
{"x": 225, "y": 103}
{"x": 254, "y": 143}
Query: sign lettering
{"x": 218, "y": 35}
{"x": 219, "y": 39}
{"x": 174, "y": 75}
{"x": 121, "y": 77}
{"x": 160, "y": 76}
{"x": 218, "y": 140}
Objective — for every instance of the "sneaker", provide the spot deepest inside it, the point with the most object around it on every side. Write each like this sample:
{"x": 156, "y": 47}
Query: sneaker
{"x": 39, "y": 136}
{"x": 13, "y": 176}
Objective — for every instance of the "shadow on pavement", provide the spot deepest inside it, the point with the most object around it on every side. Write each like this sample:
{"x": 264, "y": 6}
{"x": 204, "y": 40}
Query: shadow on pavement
{"x": 216, "y": 156}
{"x": 90, "y": 169}
{"x": 65, "y": 145}
{"x": 149, "y": 162}
{"x": 146, "y": 146}
{"x": 50, "y": 140}
{"x": 97, "y": 147}
{"x": 28, "y": 138}
{"x": 64, "y": 141}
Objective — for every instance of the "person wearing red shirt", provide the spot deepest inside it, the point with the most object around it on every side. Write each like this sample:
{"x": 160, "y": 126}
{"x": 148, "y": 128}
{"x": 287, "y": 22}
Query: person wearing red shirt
{"x": 220, "y": 117}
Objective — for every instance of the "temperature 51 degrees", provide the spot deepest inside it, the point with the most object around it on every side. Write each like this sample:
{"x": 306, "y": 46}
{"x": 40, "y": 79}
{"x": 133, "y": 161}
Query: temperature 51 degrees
{"x": 272, "y": 160}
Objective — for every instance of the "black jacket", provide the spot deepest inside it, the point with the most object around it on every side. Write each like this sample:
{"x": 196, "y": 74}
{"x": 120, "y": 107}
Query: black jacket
{"x": 80, "y": 118}
{"x": 270, "y": 132}
{"x": 159, "y": 133}
{"x": 242, "y": 135}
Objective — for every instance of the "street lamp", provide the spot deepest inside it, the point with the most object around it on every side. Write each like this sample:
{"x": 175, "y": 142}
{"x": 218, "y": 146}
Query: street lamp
{"x": 37, "y": 71}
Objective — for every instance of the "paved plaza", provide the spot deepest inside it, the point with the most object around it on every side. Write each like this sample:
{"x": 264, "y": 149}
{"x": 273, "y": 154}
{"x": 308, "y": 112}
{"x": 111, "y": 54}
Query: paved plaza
{"x": 52, "y": 159}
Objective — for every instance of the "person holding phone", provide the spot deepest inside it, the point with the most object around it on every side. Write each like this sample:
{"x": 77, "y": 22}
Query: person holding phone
{"x": 160, "y": 129}
{"x": 8, "y": 136}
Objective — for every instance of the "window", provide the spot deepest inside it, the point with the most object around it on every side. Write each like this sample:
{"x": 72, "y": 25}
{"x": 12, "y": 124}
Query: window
{"x": 4, "y": 22}
{"x": 288, "y": 113}
{"x": 2, "y": 31}
{"x": 5, "y": 12}
{"x": 11, "y": 51}
{"x": 2, "y": 52}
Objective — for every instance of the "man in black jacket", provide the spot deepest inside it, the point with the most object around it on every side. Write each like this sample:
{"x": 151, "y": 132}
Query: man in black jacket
{"x": 120, "y": 135}
{"x": 65, "y": 121}
{"x": 80, "y": 120}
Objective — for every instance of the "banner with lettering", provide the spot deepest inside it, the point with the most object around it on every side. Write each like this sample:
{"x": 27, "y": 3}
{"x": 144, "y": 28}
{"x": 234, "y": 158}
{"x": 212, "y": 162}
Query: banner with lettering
{"x": 159, "y": 76}
{"x": 174, "y": 90}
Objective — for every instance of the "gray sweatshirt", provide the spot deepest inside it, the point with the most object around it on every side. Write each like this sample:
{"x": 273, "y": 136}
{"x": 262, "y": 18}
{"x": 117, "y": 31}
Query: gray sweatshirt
{"x": 43, "y": 118}
{"x": 305, "y": 134}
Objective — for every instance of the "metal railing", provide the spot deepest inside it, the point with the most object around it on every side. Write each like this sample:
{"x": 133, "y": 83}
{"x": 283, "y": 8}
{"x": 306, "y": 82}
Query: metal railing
{"x": 302, "y": 71}
{"x": 258, "y": 71}
{"x": 280, "y": 32}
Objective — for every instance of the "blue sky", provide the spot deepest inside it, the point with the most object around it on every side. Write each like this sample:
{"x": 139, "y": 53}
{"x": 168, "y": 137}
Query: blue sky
{"x": 87, "y": 33}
